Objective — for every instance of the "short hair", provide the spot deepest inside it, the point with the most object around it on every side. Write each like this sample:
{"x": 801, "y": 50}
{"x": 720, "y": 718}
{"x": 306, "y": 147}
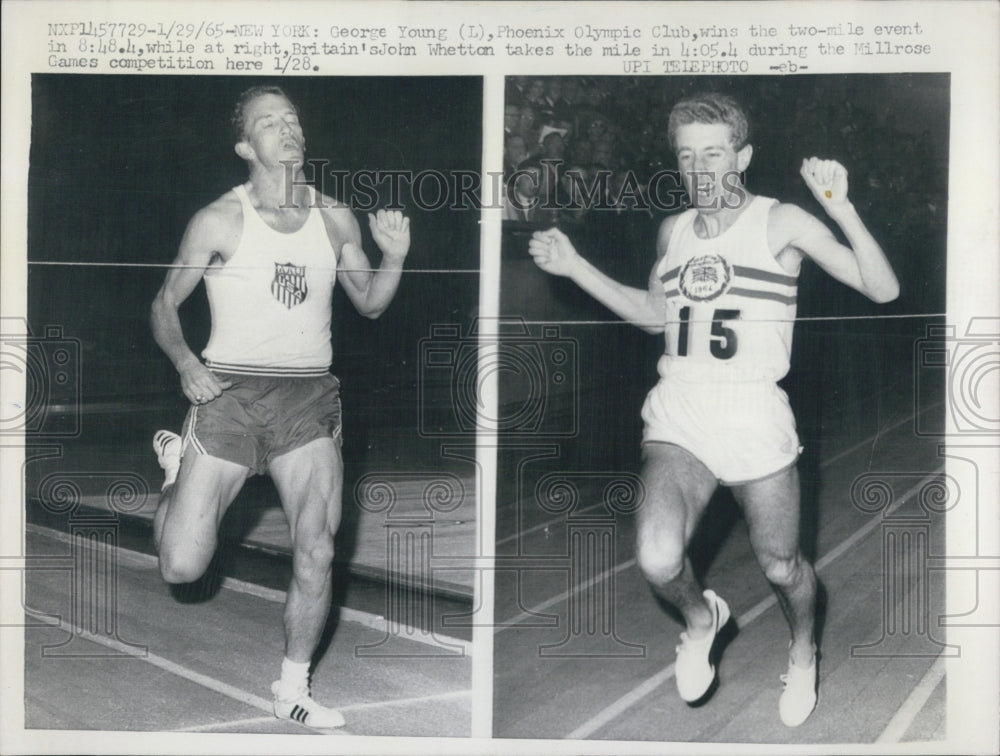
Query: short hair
{"x": 710, "y": 107}
{"x": 238, "y": 119}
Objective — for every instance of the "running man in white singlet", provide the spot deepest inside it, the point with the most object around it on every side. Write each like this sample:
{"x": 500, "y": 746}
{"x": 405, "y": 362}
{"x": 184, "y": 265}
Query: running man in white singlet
{"x": 263, "y": 401}
{"x": 723, "y": 292}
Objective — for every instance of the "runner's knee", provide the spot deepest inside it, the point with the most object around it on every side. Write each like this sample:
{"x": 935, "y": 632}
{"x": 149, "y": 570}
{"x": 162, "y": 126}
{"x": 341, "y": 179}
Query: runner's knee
{"x": 313, "y": 556}
{"x": 660, "y": 566}
{"x": 177, "y": 568}
{"x": 782, "y": 571}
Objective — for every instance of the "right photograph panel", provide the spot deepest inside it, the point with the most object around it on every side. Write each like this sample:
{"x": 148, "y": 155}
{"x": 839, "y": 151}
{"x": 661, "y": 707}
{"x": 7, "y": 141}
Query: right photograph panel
{"x": 722, "y": 398}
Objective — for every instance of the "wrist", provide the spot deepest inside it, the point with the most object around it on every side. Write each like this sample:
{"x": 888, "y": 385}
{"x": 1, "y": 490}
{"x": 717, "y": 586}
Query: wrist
{"x": 577, "y": 266}
{"x": 392, "y": 262}
{"x": 840, "y": 210}
{"x": 187, "y": 362}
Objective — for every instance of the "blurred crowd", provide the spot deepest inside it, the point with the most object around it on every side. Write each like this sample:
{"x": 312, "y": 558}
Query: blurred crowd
{"x": 567, "y": 137}
{"x": 563, "y": 132}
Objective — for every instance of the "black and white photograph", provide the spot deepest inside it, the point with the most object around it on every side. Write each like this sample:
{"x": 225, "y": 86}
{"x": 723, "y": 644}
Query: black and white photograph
{"x": 228, "y": 303}
{"x": 715, "y": 523}
{"x": 500, "y": 378}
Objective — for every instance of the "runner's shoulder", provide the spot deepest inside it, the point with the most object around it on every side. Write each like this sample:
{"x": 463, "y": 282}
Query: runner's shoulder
{"x": 663, "y": 235}
{"x": 338, "y": 218}
{"x": 218, "y": 224}
{"x": 222, "y": 214}
{"x": 787, "y": 222}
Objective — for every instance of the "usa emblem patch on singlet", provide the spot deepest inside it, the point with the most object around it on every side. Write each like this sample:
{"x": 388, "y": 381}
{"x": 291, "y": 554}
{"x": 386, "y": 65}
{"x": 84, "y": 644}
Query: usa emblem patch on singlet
{"x": 704, "y": 278}
{"x": 289, "y": 284}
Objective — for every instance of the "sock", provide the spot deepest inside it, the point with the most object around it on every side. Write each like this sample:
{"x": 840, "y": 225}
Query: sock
{"x": 294, "y": 679}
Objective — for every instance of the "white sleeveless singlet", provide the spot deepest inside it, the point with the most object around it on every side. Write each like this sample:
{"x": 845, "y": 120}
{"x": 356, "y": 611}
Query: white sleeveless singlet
{"x": 730, "y": 305}
{"x": 271, "y": 301}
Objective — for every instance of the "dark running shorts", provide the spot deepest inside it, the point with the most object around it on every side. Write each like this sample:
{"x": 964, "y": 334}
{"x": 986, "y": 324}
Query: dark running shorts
{"x": 259, "y": 418}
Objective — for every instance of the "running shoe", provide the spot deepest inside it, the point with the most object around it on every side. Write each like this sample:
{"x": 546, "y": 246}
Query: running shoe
{"x": 167, "y": 446}
{"x": 799, "y": 697}
{"x": 694, "y": 669}
{"x": 304, "y": 710}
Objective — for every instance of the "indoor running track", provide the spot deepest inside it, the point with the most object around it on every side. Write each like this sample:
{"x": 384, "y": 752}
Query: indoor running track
{"x": 611, "y": 676}
{"x": 163, "y": 664}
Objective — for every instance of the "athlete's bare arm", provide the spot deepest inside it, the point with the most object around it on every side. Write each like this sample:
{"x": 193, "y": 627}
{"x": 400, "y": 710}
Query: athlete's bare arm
{"x": 214, "y": 230}
{"x": 370, "y": 291}
{"x": 553, "y": 252}
{"x": 863, "y": 265}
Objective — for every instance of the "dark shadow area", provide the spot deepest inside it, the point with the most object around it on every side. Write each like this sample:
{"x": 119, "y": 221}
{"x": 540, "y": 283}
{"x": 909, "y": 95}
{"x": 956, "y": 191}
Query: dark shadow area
{"x": 846, "y": 348}
{"x": 855, "y": 368}
{"x": 718, "y": 520}
{"x": 208, "y": 585}
{"x": 109, "y": 199}
{"x": 726, "y": 635}
{"x": 120, "y": 164}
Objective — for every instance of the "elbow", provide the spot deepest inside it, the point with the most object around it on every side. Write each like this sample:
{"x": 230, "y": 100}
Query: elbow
{"x": 886, "y": 294}
{"x": 161, "y": 311}
{"x": 156, "y": 312}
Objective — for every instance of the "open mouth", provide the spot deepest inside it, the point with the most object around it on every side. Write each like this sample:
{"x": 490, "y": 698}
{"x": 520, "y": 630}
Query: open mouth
{"x": 704, "y": 189}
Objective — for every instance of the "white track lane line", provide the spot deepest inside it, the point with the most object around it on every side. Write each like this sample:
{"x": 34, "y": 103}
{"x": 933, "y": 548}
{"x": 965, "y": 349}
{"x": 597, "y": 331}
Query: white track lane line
{"x": 560, "y": 597}
{"x": 875, "y": 436}
{"x": 217, "y": 686}
{"x": 825, "y": 463}
{"x": 901, "y": 721}
{"x": 759, "y": 609}
{"x": 229, "y": 724}
{"x": 634, "y": 696}
{"x": 373, "y": 621}
{"x": 173, "y": 668}
{"x": 430, "y": 698}
{"x": 543, "y": 525}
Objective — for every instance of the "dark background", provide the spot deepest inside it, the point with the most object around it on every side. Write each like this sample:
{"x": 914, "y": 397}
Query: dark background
{"x": 891, "y": 133}
{"x": 118, "y": 166}
{"x": 852, "y": 371}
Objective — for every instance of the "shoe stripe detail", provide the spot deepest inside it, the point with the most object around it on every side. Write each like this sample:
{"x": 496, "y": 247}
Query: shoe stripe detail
{"x": 162, "y": 440}
{"x": 298, "y": 713}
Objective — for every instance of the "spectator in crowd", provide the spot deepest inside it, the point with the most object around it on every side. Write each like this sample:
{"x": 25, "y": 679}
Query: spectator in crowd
{"x": 619, "y": 124}
{"x": 527, "y": 127}
{"x": 524, "y": 201}
{"x": 511, "y": 113}
{"x": 514, "y": 153}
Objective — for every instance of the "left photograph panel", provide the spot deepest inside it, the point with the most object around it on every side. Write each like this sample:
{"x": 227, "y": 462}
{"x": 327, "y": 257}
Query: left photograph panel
{"x": 255, "y": 511}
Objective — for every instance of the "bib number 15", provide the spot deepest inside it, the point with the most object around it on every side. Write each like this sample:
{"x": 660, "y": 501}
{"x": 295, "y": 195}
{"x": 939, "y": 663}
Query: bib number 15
{"x": 723, "y": 343}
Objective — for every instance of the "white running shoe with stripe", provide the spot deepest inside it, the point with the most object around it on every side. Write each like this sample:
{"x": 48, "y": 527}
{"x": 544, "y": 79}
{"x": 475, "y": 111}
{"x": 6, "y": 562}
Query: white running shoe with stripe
{"x": 693, "y": 669}
{"x": 306, "y": 711}
{"x": 167, "y": 446}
